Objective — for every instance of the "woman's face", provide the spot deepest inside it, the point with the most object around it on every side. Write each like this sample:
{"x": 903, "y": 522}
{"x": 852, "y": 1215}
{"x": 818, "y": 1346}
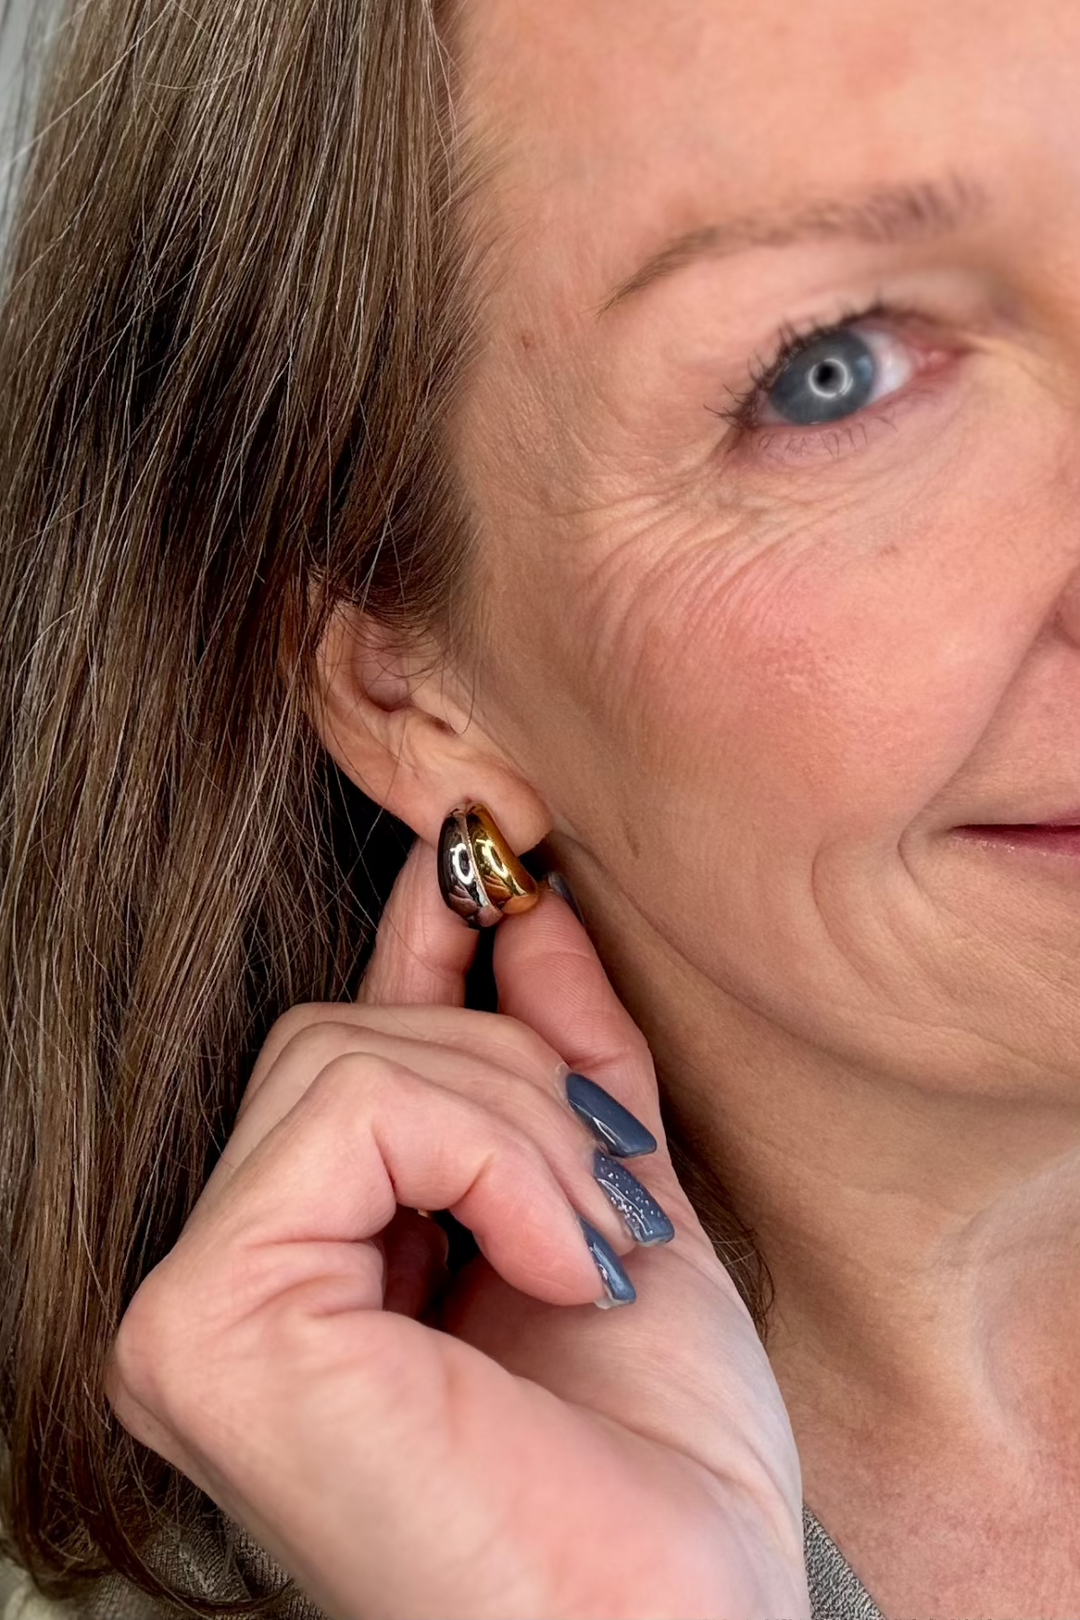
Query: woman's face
{"x": 763, "y": 653}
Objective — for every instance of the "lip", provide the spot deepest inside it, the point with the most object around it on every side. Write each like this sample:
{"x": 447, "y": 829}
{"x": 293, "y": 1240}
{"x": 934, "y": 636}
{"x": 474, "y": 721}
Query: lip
{"x": 1047, "y": 838}
{"x": 1068, "y": 817}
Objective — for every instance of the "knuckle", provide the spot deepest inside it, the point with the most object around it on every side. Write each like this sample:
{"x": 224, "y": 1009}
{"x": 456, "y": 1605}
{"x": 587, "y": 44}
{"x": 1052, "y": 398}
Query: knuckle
{"x": 625, "y": 1054}
{"x": 314, "y": 1044}
{"x": 633, "y": 1050}
{"x": 141, "y": 1364}
{"x": 368, "y": 1074}
{"x": 516, "y": 1141}
{"x": 300, "y": 1043}
{"x": 295, "y": 1021}
{"x": 286, "y": 1026}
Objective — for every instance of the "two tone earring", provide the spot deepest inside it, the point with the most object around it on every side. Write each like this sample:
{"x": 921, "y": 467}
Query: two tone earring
{"x": 480, "y": 877}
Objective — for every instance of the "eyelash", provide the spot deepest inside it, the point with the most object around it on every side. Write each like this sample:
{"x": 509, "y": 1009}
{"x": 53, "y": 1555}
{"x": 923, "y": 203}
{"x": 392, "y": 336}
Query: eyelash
{"x": 791, "y": 342}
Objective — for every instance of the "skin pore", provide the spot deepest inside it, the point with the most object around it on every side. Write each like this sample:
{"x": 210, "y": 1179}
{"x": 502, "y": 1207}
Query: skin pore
{"x": 749, "y": 680}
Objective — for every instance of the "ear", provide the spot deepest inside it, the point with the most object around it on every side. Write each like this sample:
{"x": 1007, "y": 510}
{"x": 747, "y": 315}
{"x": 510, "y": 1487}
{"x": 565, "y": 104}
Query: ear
{"x": 397, "y": 723}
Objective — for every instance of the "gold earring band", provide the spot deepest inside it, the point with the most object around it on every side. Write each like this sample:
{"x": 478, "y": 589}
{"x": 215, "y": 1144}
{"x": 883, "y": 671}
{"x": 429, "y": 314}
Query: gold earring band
{"x": 480, "y": 877}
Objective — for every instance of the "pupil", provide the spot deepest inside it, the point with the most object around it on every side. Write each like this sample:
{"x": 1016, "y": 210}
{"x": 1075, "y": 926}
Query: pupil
{"x": 831, "y": 378}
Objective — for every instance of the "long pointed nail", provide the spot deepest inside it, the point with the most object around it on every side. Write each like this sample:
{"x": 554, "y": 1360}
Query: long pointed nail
{"x": 643, "y": 1216}
{"x": 617, "y": 1285}
{"x": 615, "y": 1127}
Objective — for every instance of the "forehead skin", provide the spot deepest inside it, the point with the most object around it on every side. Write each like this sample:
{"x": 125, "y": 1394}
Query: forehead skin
{"x": 615, "y": 124}
{"x": 620, "y": 122}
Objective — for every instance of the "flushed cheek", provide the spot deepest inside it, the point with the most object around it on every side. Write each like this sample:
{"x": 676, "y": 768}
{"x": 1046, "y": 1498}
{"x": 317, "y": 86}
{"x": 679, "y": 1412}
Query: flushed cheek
{"x": 781, "y": 722}
{"x": 823, "y": 650}
{"x": 830, "y": 684}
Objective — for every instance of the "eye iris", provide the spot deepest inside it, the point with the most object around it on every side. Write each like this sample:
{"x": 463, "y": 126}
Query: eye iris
{"x": 832, "y": 377}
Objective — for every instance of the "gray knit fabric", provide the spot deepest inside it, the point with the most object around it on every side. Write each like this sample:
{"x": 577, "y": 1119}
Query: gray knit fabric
{"x": 235, "y": 1566}
{"x": 836, "y": 1593}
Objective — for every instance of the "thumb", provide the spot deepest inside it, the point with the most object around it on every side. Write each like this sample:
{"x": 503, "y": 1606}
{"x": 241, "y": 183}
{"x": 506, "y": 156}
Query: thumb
{"x": 422, "y": 950}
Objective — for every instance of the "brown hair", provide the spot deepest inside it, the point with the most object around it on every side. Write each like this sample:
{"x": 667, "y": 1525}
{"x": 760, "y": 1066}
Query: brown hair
{"x": 234, "y": 312}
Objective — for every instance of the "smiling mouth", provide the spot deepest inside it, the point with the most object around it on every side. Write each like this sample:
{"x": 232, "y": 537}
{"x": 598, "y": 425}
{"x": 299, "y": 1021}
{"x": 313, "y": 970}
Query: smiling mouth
{"x": 1021, "y": 826}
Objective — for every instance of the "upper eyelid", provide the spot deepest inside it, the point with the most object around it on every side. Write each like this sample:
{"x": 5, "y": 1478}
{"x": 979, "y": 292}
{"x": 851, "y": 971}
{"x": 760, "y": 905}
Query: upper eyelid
{"x": 791, "y": 342}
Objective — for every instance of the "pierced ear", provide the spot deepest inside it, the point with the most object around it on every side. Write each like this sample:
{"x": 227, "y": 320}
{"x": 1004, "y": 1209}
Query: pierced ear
{"x": 390, "y": 718}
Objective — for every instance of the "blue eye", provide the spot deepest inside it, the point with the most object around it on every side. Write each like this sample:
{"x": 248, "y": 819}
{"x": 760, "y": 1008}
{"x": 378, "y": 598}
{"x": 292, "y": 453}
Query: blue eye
{"x": 830, "y": 378}
{"x": 827, "y": 373}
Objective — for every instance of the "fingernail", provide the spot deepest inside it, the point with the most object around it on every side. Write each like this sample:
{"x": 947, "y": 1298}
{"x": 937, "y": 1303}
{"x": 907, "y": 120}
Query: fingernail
{"x": 614, "y": 1126}
{"x": 647, "y": 1222}
{"x": 617, "y": 1285}
{"x": 556, "y": 882}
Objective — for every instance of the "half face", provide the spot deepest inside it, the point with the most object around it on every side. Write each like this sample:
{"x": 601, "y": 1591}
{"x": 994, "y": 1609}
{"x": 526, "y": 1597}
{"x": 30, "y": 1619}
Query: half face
{"x": 775, "y": 450}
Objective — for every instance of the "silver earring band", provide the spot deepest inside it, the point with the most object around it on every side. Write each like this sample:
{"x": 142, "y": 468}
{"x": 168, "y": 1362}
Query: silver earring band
{"x": 480, "y": 877}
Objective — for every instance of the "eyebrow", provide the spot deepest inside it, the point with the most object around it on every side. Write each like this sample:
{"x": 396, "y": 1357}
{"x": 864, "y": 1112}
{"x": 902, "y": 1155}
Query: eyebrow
{"x": 883, "y": 214}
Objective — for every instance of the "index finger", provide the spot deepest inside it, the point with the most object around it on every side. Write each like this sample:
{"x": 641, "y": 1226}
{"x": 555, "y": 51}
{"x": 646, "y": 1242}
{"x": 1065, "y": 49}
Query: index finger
{"x": 550, "y": 977}
{"x": 423, "y": 950}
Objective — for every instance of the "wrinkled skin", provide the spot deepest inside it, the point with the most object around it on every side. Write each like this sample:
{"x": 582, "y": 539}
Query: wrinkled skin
{"x": 757, "y": 679}
{"x": 747, "y": 681}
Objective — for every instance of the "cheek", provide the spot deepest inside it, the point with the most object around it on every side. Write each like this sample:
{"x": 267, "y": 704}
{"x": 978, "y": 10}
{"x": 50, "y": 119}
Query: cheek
{"x": 785, "y": 660}
{"x": 819, "y": 680}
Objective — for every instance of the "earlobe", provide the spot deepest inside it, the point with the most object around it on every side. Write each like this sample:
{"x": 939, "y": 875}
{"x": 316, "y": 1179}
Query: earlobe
{"x": 388, "y": 718}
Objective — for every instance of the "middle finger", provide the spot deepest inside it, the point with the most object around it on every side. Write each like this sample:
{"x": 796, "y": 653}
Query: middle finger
{"x": 527, "y": 1100}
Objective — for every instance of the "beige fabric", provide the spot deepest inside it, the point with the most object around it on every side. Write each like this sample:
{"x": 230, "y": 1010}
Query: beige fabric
{"x": 226, "y": 1564}
{"x": 235, "y": 1566}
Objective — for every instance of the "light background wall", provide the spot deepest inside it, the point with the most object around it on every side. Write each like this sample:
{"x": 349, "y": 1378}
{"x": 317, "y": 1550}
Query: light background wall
{"x": 16, "y": 17}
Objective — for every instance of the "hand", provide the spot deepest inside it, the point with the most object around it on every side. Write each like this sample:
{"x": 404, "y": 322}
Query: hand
{"x": 413, "y": 1444}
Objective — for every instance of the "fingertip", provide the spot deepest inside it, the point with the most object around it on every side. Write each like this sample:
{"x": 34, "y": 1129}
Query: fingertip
{"x": 618, "y": 1289}
{"x": 423, "y": 950}
{"x": 557, "y": 884}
